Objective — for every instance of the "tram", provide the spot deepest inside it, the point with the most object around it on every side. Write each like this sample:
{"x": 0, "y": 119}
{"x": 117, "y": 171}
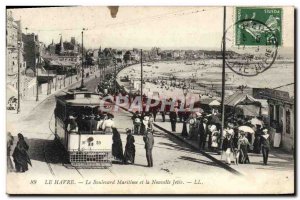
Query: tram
{"x": 86, "y": 147}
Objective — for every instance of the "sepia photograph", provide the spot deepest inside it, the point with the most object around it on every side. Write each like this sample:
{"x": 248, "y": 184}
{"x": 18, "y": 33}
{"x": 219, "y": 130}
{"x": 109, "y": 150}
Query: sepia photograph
{"x": 150, "y": 100}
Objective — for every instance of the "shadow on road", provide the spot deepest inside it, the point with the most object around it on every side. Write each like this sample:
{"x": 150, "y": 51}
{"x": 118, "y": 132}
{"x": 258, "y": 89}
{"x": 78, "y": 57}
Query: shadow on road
{"x": 199, "y": 161}
{"x": 45, "y": 151}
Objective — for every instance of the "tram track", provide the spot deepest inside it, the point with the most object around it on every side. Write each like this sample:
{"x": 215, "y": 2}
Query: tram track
{"x": 110, "y": 171}
{"x": 52, "y": 134}
{"x": 45, "y": 158}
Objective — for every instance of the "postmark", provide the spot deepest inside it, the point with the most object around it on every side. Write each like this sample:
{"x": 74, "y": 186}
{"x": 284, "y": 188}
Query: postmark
{"x": 254, "y": 59}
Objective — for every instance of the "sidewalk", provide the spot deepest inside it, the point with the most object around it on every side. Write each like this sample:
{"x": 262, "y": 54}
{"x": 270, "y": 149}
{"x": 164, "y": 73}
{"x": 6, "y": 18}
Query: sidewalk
{"x": 278, "y": 161}
{"x": 30, "y": 104}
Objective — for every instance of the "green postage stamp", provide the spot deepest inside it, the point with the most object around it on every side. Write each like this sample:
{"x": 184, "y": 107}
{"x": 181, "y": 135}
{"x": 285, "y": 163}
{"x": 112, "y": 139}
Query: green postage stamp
{"x": 258, "y": 26}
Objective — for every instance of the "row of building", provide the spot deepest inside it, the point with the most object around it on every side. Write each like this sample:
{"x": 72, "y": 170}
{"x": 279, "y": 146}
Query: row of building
{"x": 33, "y": 63}
{"x": 154, "y": 54}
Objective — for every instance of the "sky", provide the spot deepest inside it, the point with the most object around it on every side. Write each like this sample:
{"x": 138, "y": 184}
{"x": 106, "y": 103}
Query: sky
{"x": 138, "y": 27}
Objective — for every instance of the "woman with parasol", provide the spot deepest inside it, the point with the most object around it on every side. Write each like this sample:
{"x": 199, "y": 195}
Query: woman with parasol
{"x": 243, "y": 144}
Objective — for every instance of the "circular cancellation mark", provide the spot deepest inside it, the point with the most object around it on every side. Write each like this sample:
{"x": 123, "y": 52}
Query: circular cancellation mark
{"x": 253, "y": 47}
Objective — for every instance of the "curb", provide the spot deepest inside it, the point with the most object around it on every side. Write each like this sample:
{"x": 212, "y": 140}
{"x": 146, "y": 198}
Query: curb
{"x": 225, "y": 166}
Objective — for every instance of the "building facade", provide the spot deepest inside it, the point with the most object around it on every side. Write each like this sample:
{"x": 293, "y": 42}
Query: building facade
{"x": 15, "y": 63}
{"x": 281, "y": 114}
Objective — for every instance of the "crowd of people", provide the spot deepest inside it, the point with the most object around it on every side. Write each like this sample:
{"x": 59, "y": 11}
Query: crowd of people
{"x": 239, "y": 135}
{"x": 205, "y": 128}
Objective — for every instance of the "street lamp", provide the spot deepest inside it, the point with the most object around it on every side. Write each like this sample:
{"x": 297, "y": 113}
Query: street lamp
{"x": 185, "y": 92}
{"x": 82, "y": 70}
{"x": 184, "y": 129}
{"x": 18, "y": 109}
{"x": 36, "y": 70}
{"x": 115, "y": 75}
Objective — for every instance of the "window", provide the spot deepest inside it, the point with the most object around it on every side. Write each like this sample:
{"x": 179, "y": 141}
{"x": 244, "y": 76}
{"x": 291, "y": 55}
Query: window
{"x": 288, "y": 122}
{"x": 277, "y": 113}
{"x": 271, "y": 111}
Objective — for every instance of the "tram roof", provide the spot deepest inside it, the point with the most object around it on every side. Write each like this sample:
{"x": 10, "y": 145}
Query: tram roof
{"x": 84, "y": 102}
{"x": 80, "y": 98}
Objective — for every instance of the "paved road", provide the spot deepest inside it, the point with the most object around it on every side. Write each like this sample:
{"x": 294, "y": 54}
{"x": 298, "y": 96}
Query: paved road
{"x": 173, "y": 160}
{"x": 168, "y": 151}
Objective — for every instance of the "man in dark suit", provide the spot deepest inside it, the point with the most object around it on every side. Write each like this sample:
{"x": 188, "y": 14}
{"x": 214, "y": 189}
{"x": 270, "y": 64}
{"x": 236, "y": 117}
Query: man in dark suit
{"x": 203, "y": 131}
{"x": 265, "y": 145}
{"x": 137, "y": 122}
{"x": 149, "y": 142}
{"x": 163, "y": 115}
{"x": 93, "y": 123}
{"x": 173, "y": 119}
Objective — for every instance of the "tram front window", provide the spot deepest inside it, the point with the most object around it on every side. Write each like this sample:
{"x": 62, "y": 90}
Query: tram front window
{"x": 87, "y": 124}
{"x": 85, "y": 120}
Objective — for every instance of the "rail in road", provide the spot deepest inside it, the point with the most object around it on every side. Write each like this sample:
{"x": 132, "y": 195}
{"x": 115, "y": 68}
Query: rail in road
{"x": 58, "y": 146}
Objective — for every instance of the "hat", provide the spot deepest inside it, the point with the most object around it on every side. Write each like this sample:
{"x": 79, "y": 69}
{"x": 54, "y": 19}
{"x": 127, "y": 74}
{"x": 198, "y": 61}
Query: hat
{"x": 20, "y": 136}
{"x": 265, "y": 130}
{"x": 227, "y": 133}
{"x": 128, "y": 130}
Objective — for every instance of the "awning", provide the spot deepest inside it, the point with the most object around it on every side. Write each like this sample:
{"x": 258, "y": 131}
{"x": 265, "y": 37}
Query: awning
{"x": 240, "y": 98}
{"x": 207, "y": 102}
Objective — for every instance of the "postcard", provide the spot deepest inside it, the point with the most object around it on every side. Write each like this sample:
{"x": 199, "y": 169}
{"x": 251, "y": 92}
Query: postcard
{"x": 150, "y": 100}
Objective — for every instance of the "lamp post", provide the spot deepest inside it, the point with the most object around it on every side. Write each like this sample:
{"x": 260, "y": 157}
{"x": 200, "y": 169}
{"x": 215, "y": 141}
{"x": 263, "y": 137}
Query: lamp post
{"x": 82, "y": 70}
{"x": 18, "y": 109}
{"x": 223, "y": 75}
{"x": 115, "y": 75}
{"x": 185, "y": 92}
{"x": 142, "y": 74}
{"x": 184, "y": 129}
{"x": 64, "y": 75}
{"x": 56, "y": 81}
{"x": 37, "y": 73}
{"x": 48, "y": 88}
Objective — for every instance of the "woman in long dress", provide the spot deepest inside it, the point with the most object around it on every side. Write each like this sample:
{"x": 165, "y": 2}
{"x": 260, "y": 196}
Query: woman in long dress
{"x": 256, "y": 145}
{"x": 20, "y": 155}
{"x": 9, "y": 143}
{"x": 228, "y": 147}
{"x": 243, "y": 144}
{"x": 117, "y": 148}
{"x": 184, "y": 132}
{"x": 215, "y": 138}
{"x": 129, "y": 153}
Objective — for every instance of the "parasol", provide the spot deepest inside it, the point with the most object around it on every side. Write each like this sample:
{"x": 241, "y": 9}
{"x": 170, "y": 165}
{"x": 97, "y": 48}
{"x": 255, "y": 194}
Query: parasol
{"x": 256, "y": 121}
{"x": 246, "y": 129}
